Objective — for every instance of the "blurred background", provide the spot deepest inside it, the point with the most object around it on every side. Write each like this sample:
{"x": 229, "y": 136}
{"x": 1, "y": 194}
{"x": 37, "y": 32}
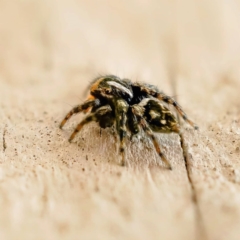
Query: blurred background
{"x": 50, "y": 50}
{"x": 58, "y": 40}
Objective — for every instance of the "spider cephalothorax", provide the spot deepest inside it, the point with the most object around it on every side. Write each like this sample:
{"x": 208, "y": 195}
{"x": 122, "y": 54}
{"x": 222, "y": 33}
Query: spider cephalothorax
{"x": 129, "y": 107}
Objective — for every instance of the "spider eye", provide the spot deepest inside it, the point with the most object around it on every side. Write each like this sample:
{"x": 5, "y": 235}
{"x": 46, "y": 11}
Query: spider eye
{"x": 108, "y": 91}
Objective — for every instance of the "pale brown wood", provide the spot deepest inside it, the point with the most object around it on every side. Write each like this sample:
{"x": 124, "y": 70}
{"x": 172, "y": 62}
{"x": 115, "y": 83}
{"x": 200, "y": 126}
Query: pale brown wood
{"x": 51, "y": 189}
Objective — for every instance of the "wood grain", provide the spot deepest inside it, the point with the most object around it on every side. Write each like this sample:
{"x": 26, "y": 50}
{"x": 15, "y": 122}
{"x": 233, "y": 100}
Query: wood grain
{"x": 51, "y": 189}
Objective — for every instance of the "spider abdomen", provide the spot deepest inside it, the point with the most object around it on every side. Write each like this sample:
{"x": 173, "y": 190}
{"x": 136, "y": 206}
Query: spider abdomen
{"x": 159, "y": 117}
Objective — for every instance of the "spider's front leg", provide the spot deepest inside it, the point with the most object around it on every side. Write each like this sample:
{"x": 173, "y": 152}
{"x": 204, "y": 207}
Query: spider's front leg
{"x": 95, "y": 116}
{"x": 78, "y": 109}
{"x": 121, "y": 125}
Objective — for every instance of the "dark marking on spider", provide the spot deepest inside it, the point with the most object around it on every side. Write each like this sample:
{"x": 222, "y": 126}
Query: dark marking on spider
{"x": 130, "y": 108}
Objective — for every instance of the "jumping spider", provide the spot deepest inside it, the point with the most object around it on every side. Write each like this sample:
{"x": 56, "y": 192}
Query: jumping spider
{"x": 129, "y": 107}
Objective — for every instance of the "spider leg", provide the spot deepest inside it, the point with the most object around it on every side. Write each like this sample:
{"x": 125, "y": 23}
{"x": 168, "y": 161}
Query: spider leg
{"x": 79, "y": 108}
{"x": 149, "y": 132}
{"x": 183, "y": 145}
{"x": 95, "y": 116}
{"x": 121, "y": 123}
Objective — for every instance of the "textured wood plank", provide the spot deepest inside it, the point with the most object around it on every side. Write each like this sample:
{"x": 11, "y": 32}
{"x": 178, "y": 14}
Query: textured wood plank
{"x": 75, "y": 188}
{"x": 215, "y": 165}
{"x": 50, "y": 189}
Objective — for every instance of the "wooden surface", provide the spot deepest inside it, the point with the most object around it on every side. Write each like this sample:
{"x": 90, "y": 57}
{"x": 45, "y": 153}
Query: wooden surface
{"x": 50, "y": 189}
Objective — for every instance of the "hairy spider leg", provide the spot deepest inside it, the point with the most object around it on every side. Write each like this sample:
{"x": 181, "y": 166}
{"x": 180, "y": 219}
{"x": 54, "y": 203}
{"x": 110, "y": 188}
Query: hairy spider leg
{"x": 177, "y": 130}
{"x": 149, "y": 132}
{"x": 121, "y": 126}
{"x": 89, "y": 98}
{"x": 79, "y": 108}
{"x": 95, "y": 116}
{"x": 183, "y": 145}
